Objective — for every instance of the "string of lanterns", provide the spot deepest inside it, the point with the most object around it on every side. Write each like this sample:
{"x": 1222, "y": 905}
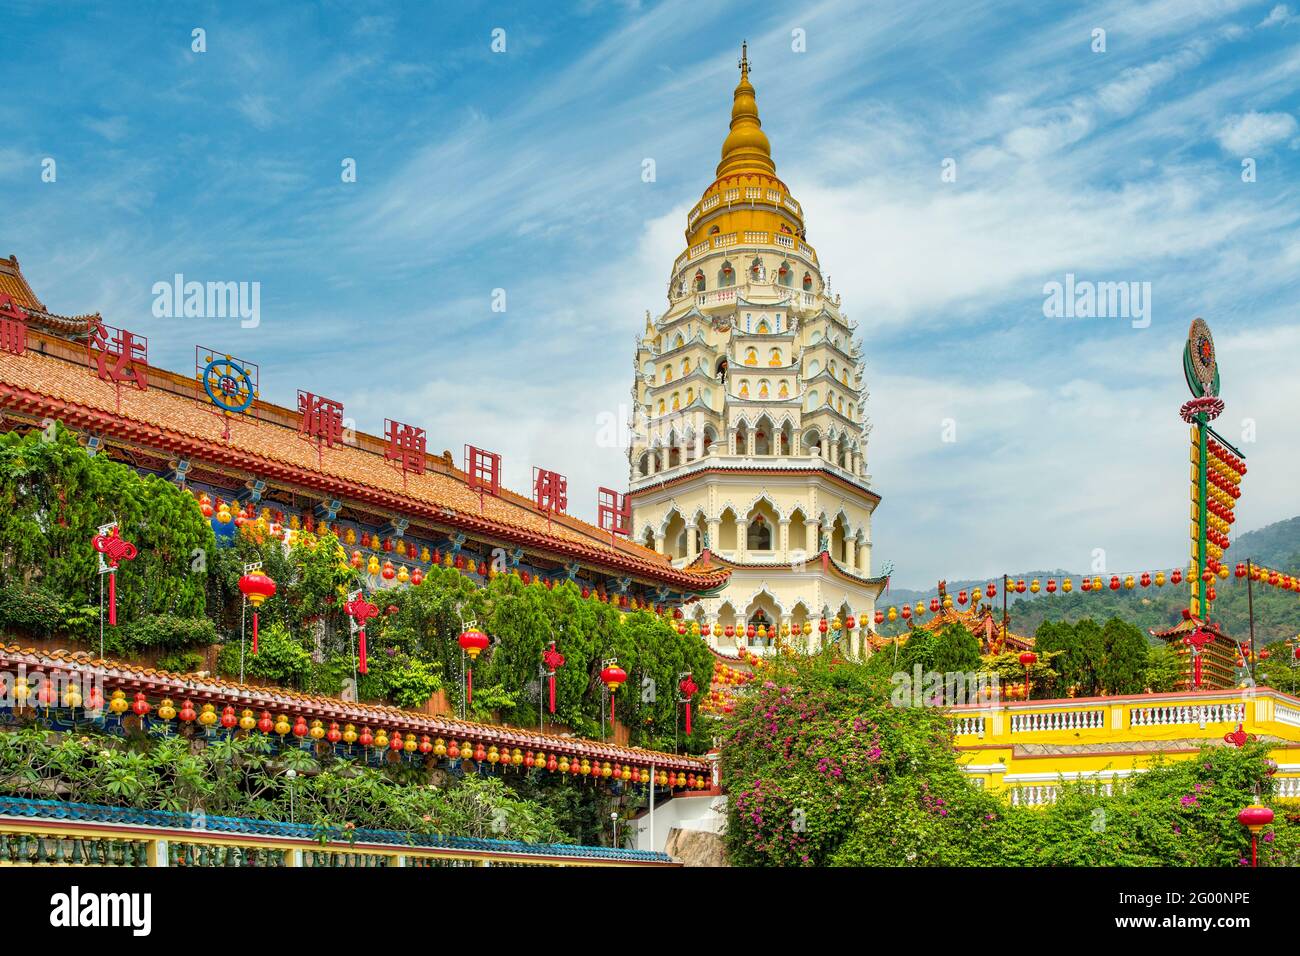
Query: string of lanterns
{"x": 379, "y": 740}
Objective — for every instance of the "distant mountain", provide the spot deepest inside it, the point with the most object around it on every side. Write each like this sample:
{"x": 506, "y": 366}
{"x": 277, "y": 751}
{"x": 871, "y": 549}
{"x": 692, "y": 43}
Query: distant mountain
{"x": 1277, "y": 613}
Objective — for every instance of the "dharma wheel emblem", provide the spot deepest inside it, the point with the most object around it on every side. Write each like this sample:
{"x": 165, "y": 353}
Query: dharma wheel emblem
{"x": 1200, "y": 363}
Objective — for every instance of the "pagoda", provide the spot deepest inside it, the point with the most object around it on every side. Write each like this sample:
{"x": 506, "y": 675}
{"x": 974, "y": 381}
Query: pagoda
{"x": 749, "y": 446}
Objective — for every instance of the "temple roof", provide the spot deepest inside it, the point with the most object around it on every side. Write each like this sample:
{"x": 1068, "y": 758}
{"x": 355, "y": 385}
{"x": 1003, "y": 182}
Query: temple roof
{"x": 53, "y": 379}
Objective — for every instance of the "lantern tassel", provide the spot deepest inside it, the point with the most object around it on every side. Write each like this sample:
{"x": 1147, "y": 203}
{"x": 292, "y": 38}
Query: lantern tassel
{"x": 688, "y": 718}
{"x": 552, "y": 683}
{"x": 112, "y": 597}
{"x": 469, "y": 686}
{"x": 361, "y": 664}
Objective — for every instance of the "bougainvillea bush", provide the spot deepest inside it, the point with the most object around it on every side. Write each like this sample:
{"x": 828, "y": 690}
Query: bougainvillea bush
{"x": 823, "y": 771}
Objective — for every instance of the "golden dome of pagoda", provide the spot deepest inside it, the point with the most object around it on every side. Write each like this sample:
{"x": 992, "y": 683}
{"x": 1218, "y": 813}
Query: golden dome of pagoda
{"x": 746, "y": 148}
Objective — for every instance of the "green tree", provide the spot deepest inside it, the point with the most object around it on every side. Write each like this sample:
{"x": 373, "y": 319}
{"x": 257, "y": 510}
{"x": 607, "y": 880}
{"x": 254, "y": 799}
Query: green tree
{"x": 1123, "y": 668}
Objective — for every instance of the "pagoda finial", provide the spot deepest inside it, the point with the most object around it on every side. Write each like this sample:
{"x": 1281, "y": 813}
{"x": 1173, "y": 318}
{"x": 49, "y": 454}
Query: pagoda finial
{"x": 746, "y": 149}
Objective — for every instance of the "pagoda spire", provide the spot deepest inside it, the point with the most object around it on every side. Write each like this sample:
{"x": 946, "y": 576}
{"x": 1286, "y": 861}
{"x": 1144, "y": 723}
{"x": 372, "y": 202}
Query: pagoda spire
{"x": 746, "y": 149}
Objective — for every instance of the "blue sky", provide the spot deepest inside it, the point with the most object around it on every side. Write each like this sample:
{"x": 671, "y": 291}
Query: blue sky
{"x": 521, "y": 170}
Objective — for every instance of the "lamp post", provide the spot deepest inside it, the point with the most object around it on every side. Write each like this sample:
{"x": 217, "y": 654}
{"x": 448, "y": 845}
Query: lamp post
{"x": 1254, "y": 818}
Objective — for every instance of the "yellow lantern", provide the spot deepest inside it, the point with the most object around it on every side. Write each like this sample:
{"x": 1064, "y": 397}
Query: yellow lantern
{"x": 167, "y": 709}
{"x": 516, "y": 757}
{"x": 372, "y": 566}
{"x": 209, "y": 715}
{"x": 1033, "y": 586}
{"x": 785, "y": 629}
{"x": 893, "y": 614}
{"x": 493, "y": 754}
{"x": 627, "y": 772}
{"x": 947, "y": 602}
{"x": 440, "y": 748}
{"x": 1128, "y": 582}
{"x": 410, "y": 743}
{"x": 117, "y": 703}
{"x": 1223, "y": 571}
{"x": 72, "y": 696}
{"x": 246, "y": 719}
{"x": 403, "y": 575}
{"x": 381, "y": 739}
{"x": 563, "y": 765}
{"x": 807, "y": 628}
{"x": 466, "y": 751}
{"x": 1067, "y": 585}
{"x": 350, "y": 734}
{"x": 585, "y": 769}
{"x": 317, "y": 730}
{"x": 605, "y": 770}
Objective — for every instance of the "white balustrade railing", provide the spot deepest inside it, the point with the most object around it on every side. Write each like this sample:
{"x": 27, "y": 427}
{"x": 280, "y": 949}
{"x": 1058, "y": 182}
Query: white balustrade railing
{"x": 1286, "y": 715}
{"x": 751, "y": 236}
{"x": 1169, "y": 714}
{"x": 1058, "y": 720}
{"x": 722, "y": 242}
{"x": 1034, "y": 795}
{"x": 783, "y": 240}
{"x": 973, "y": 726}
{"x": 1286, "y": 787}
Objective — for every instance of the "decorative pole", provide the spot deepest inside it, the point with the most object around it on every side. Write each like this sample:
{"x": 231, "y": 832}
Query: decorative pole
{"x": 1250, "y": 612}
{"x": 113, "y": 550}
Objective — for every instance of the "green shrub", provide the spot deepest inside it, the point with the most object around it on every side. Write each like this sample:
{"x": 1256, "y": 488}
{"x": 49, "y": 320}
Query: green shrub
{"x": 280, "y": 659}
{"x": 181, "y": 662}
{"x": 160, "y": 631}
{"x": 32, "y": 609}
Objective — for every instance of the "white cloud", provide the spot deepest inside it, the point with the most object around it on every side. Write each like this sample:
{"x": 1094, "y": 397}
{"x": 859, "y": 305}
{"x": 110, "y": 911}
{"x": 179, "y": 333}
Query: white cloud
{"x": 1252, "y": 132}
{"x": 256, "y": 109}
{"x": 1279, "y": 15}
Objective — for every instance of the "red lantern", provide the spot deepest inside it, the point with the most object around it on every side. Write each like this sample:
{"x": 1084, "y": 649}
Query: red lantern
{"x": 990, "y": 592}
{"x": 961, "y": 597}
{"x": 1241, "y": 569}
{"x": 1114, "y": 582}
{"x": 1051, "y": 585}
{"x": 187, "y": 712}
{"x": 472, "y": 642}
{"x": 1145, "y": 580}
{"x": 426, "y": 745}
{"x": 300, "y": 729}
{"x": 612, "y": 676}
{"x": 849, "y": 622}
{"x": 1176, "y": 576}
{"x": 256, "y": 587}
{"x": 1020, "y": 587}
{"x": 730, "y": 630}
{"x": 265, "y": 723}
{"x": 1254, "y": 818}
{"x": 1086, "y": 584}
{"x": 880, "y": 617}
{"x": 333, "y": 735}
{"x": 228, "y": 718}
{"x": 140, "y": 706}
{"x": 366, "y": 738}
{"x": 1028, "y": 659}
{"x": 905, "y": 612}
{"x": 822, "y": 626}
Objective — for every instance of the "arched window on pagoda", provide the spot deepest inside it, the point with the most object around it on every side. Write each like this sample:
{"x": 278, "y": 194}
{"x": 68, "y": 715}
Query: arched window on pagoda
{"x": 807, "y": 282}
{"x": 785, "y": 275}
{"x": 699, "y": 280}
{"x": 785, "y": 439}
{"x": 644, "y": 466}
{"x": 710, "y": 437}
{"x": 726, "y": 275}
{"x": 763, "y": 436}
{"x": 758, "y": 534}
{"x": 757, "y": 271}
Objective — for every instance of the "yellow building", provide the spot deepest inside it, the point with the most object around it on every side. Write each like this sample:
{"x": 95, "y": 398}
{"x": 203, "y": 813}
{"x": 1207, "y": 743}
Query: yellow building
{"x": 1029, "y": 748}
{"x": 750, "y": 429}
